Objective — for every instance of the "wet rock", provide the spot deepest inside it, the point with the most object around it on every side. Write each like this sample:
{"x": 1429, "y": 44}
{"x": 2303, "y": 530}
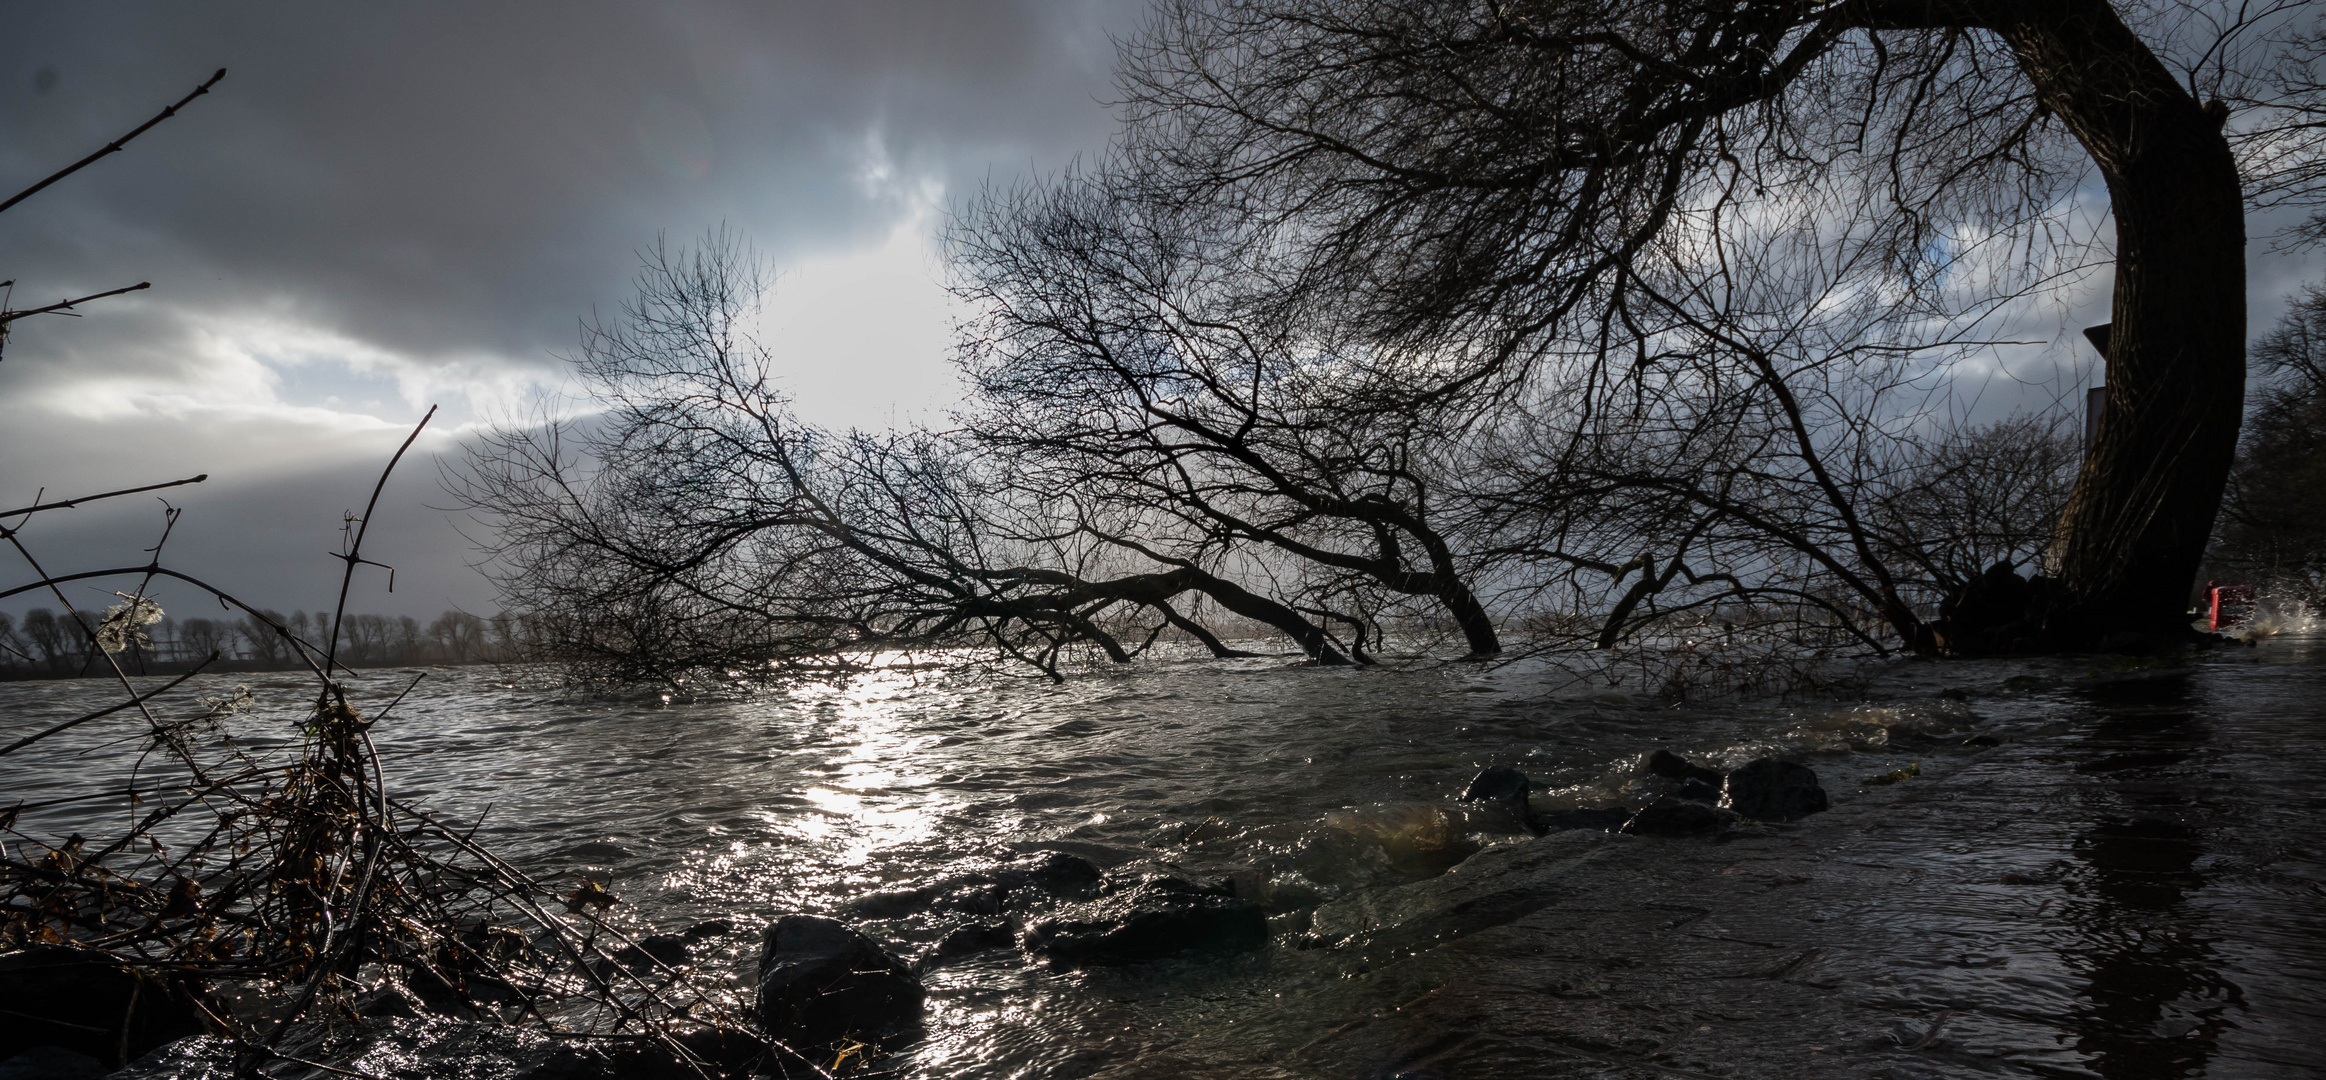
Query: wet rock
{"x": 1508, "y": 787}
{"x": 1054, "y": 872}
{"x": 52, "y": 1063}
{"x": 969, "y": 940}
{"x": 1603, "y": 819}
{"x": 86, "y": 1002}
{"x": 1667, "y": 764}
{"x": 1104, "y": 856}
{"x": 1025, "y": 883}
{"x": 666, "y": 949}
{"x": 1494, "y": 783}
{"x": 893, "y": 905}
{"x": 1158, "y": 918}
{"x": 821, "y": 982}
{"x": 1674, "y": 817}
{"x": 1766, "y": 789}
{"x": 973, "y": 896}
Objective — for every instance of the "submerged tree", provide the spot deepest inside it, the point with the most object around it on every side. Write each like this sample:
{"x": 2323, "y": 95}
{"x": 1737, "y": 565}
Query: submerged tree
{"x": 1108, "y": 360}
{"x": 695, "y": 525}
{"x": 1477, "y": 186}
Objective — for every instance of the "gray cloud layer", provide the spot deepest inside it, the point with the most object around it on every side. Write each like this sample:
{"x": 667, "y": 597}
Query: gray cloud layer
{"x": 388, "y": 203}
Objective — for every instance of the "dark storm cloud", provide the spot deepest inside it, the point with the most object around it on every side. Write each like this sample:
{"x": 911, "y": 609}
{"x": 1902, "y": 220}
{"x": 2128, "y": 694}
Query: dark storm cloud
{"x": 446, "y": 178}
{"x": 385, "y": 205}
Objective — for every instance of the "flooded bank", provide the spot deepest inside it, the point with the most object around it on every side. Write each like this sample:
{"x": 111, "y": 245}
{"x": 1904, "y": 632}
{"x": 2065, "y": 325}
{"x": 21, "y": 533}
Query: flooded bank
{"x": 2126, "y": 883}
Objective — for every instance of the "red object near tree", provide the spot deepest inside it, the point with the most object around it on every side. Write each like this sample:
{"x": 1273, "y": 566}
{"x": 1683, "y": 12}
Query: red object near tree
{"x": 2231, "y": 605}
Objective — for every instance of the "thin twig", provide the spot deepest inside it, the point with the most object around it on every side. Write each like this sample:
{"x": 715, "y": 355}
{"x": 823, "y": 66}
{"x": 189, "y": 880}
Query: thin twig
{"x": 115, "y": 146}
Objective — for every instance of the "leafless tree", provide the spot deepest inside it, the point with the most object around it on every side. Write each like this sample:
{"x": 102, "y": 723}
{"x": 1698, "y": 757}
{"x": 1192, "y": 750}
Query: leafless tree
{"x": 694, "y": 525}
{"x": 1111, "y": 361}
{"x": 1475, "y": 188}
{"x": 2273, "y": 527}
{"x": 1778, "y": 448}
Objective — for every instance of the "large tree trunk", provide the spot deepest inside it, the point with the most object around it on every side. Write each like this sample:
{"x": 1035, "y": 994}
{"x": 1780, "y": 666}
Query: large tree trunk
{"x": 2135, "y": 530}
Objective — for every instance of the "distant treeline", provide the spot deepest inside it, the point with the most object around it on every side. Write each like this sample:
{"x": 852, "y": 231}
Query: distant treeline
{"x": 45, "y": 644}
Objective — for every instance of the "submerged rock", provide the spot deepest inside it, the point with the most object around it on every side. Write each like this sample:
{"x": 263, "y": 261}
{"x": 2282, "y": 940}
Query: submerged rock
{"x": 84, "y": 1001}
{"x": 1766, "y": 789}
{"x": 1156, "y": 919}
{"x": 821, "y": 982}
{"x": 1054, "y": 872}
{"x": 1668, "y": 764}
{"x": 967, "y": 941}
{"x": 1495, "y": 783}
{"x": 667, "y": 949}
{"x": 1509, "y": 786}
{"x": 1674, "y": 817}
{"x": 1503, "y": 785}
{"x": 1024, "y": 883}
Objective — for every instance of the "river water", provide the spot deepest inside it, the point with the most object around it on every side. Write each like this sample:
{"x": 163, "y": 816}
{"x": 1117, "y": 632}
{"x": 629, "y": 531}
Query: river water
{"x": 2128, "y": 885}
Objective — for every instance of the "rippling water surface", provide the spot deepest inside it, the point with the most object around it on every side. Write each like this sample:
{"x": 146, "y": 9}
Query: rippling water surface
{"x": 2128, "y": 886}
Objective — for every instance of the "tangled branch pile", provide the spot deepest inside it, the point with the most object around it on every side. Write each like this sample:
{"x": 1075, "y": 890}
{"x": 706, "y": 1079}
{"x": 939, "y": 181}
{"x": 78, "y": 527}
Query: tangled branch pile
{"x": 270, "y": 889}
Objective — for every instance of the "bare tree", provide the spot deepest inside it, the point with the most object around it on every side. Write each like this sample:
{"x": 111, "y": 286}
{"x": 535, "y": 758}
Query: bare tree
{"x": 1110, "y": 361}
{"x": 458, "y": 637}
{"x": 201, "y": 637}
{"x": 1477, "y": 187}
{"x": 2273, "y": 527}
{"x": 696, "y": 526}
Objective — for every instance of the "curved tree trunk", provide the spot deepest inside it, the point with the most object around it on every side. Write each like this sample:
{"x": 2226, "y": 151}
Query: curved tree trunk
{"x": 2135, "y": 530}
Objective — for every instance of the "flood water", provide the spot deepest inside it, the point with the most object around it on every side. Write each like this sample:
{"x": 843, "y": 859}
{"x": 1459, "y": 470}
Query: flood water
{"x": 2130, "y": 885}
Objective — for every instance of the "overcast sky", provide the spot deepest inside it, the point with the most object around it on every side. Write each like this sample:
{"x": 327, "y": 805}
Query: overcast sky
{"x": 389, "y": 206}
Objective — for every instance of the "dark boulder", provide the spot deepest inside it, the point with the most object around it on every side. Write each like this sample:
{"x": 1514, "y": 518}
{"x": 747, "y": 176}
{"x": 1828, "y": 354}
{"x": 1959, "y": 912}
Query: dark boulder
{"x": 1674, "y": 817}
{"x": 1054, "y": 872}
{"x": 821, "y": 982}
{"x": 1667, "y": 764}
{"x": 89, "y": 1003}
{"x": 1508, "y": 787}
{"x": 969, "y": 940}
{"x": 1495, "y": 783}
{"x": 1156, "y": 919}
{"x": 894, "y": 905}
{"x": 1766, "y": 789}
{"x": 1604, "y": 819}
{"x": 1026, "y": 882}
{"x": 665, "y": 949}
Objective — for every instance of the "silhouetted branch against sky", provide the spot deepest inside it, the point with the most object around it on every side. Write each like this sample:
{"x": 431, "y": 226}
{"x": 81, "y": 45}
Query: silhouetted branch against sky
{"x": 388, "y": 206}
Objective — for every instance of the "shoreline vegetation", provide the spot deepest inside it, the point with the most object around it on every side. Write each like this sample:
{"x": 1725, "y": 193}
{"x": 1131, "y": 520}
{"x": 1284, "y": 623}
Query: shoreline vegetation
{"x": 43, "y": 645}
